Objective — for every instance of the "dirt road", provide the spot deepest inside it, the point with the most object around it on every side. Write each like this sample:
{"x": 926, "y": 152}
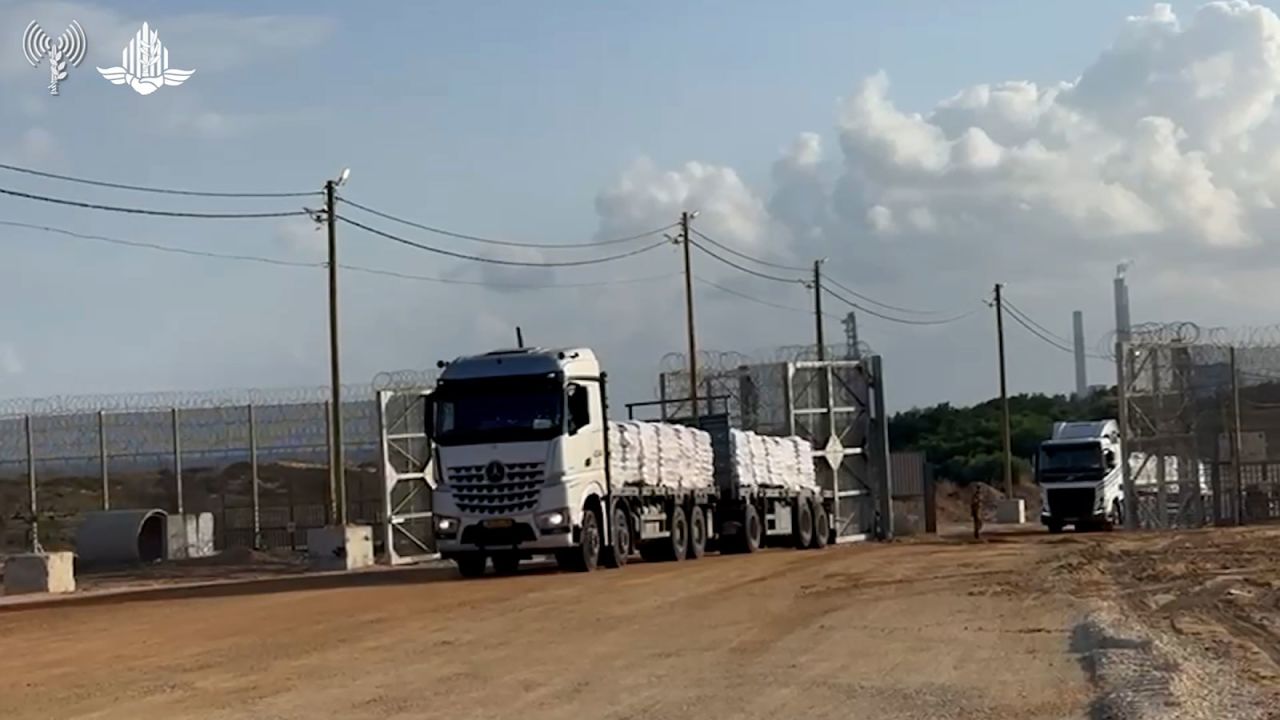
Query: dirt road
{"x": 942, "y": 630}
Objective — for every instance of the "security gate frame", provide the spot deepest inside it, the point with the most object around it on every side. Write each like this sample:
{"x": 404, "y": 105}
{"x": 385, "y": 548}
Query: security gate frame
{"x": 405, "y": 454}
{"x": 846, "y": 423}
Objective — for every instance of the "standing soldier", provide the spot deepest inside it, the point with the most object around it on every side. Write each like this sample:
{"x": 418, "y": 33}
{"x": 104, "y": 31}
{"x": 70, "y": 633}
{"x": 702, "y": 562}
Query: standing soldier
{"x": 975, "y": 509}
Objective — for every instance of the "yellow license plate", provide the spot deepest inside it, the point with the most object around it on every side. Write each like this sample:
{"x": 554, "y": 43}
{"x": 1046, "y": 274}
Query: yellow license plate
{"x": 498, "y": 523}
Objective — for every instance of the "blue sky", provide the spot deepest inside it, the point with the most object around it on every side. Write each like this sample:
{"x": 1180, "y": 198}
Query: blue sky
{"x": 499, "y": 118}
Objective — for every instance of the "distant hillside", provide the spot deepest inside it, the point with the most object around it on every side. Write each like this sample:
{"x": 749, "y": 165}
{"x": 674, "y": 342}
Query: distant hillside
{"x": 964, "y": 443}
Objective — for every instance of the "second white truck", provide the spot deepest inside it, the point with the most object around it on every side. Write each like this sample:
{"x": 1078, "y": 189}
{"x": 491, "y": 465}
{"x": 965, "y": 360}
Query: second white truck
{"x": 1080, "y": 477}
{"x": 523, "y": 466}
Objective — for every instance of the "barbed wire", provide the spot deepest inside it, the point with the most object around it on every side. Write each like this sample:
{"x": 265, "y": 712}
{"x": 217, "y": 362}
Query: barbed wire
{"x": 1190, "y": 333}
{"x": 212, "y": 399}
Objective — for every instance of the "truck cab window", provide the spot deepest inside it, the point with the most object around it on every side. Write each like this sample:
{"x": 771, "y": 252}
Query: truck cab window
{"x": 579, "y": 407}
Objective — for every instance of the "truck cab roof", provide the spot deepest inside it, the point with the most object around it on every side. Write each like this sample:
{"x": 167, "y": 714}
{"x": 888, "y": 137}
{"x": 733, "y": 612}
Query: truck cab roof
{"x": 573, "y": 362}
{"x": 1088, "y": 430}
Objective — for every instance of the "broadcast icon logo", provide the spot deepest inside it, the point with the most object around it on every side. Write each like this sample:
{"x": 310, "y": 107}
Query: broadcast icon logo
{"x": 66, "y": 51}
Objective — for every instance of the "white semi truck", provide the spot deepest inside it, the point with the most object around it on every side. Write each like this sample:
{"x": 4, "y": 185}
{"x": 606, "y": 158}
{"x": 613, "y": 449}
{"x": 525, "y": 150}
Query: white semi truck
{"x": 522, "y": 460}
{"x": 1080, "y": 477}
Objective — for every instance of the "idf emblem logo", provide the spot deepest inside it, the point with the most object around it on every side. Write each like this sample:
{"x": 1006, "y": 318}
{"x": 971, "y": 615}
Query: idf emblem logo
{"x": 66, "y": 51}
{"x": 145, "y": 65}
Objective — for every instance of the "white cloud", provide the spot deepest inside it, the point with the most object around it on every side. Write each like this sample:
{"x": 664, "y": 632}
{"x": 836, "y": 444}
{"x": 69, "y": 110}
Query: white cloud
{"x": 1166, "y": 148}
{"x": 301, "y": 238}
{"x": 10, "y": 361}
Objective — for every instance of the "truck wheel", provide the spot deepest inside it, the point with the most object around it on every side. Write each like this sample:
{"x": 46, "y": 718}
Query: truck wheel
{"x": 752, "y": 530}
{"x": 616, "y": 556}
{"x": 1055, "y": 526}
{"x": 506, "y": 563}
{"x": 1117, "y": 515}
{"x": 678, "y": 543}
{"x": 821, "y": 526}
{"x": 585, "y": 557}
{"x": 803, "y": 534}
{"x": 697, "y": 534}
{"x": 471, "y": 565}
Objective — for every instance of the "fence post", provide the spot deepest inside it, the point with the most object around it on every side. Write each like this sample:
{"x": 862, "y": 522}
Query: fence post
{"x": 177, "y": 458}
{"x": 33, "y": 500}
{"x": 333, "y": 472}
{"x": 930, "y": 500}
{"x": 1236, "y": 470}
{"x": 1126, "y": 436}
{"x": 253, "y": 478}
{"x": 103, "y": 459}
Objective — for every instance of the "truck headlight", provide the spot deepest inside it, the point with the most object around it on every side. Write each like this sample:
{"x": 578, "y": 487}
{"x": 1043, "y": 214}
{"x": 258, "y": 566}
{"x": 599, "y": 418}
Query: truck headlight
{"x": 446, "y": 525}
{"x": 553, "y": 520}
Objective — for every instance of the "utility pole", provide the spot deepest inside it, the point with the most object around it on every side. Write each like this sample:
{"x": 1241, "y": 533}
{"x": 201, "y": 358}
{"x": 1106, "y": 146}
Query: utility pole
{"x": 685, "y": 217}
{"x": 1004, "y": 399}
{"x": 817, "y": 309}
{"x": 337, "y": 463}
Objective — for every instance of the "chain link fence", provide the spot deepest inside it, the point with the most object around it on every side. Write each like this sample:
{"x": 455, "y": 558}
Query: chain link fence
{"x": 257, "y": 460}
{"x": 1200, "y": 416}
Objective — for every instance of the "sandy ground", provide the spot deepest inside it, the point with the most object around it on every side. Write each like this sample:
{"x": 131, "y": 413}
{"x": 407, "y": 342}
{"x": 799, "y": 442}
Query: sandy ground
{"x": 941, "y": 629}
{"x": 1109, "y": 625}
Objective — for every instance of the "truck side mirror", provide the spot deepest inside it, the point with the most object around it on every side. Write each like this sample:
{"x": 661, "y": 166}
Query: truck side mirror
{"x": 429, "y": 414}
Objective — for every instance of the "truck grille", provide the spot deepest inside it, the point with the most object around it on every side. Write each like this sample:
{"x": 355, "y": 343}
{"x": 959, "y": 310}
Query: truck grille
{"x": 1071, "y": 503}
{"x": 477, "y": 492}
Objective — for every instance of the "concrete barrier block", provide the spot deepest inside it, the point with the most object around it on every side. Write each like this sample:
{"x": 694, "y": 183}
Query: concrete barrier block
{"x": 340, "y": 548}
{"x": 53, "y": 572}
{"x": 190, "y": 536}
{"x": 1011, "y": 512}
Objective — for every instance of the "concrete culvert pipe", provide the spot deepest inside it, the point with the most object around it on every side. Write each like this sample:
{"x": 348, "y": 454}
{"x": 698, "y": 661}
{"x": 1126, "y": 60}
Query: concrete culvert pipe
{"x": 116, "y": 537}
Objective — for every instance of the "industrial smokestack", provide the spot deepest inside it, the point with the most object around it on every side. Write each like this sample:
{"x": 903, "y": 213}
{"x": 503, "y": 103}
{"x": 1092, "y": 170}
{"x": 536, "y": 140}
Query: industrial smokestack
{"x": 1082, "y": 384}
{"x": 1122, "y": 301}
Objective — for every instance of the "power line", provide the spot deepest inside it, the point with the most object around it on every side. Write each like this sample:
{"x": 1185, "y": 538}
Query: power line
{"x": 1041, "y": 332}
{"x": 747, "y": 257}
{"x": 159, "y": 247}
{"x": 746, "y": 270}
{"x": 146, "y": 211}
{"x": 877, "y": 303}
{"x": 758, "y": 301}
{"x": 1029, "y": 328}
{"x": 157, "y": 190}
{"x": 496, "y": 261}
{"x": 902, "y": 321}
{"x": 1015, "y": 309}
{"x": 513, "y": 286}
{"x": 504, "y": 243}
{"x": 314, "y": 265}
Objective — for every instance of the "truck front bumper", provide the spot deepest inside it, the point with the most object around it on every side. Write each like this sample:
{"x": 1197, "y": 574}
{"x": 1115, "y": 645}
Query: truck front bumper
{"x": 551, "y": 526}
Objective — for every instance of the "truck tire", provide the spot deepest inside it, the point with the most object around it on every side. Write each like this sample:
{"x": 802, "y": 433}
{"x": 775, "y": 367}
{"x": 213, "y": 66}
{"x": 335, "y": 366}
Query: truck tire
{"x": 803, "y": 534}
{"x": 697, "y": 534}
{"x": 616, "y": 556}
{"x": 506, "y": 563}
{"x": 471, "y": 565}
{"x": 821, "y": 526}
{"x": 1117, "y": 515}
{"x": 1055, "y": 526}
{"x": 752, "y": 530}
{"x": 677, "y": 545}
{"x": 585, "y": 557}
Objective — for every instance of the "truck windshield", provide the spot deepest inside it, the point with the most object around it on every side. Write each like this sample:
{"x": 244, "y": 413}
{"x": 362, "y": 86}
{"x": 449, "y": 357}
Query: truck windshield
{"x": 1065, "y": 458}
{"x": 489, "y": 410}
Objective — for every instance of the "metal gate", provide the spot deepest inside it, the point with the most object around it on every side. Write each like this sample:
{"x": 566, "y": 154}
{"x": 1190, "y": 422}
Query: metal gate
{"x": 405, "y": 455}
{"x": 839, "y": 406}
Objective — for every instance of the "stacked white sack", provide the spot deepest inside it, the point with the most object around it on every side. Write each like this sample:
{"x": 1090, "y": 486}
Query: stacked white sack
{"x": 661, "y": 455}
{"x": 766, "y": 461}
